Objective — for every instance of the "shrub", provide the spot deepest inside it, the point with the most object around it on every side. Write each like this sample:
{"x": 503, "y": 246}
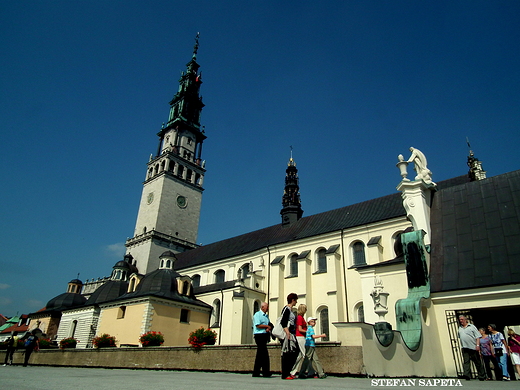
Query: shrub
{"x": 105, "y": 340}
{"x": 151, "y": 339}
{"x": 69, "y": 342}
{"x": 200, "y": 337}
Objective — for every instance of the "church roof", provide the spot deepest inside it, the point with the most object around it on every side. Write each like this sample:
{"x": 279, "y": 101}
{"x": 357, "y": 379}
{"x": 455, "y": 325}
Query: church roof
{"x": 109, "y": 291}
{"x": 65, "y": 301}
{"x": 370, "y": 211}
{"x": 476, "y": 234}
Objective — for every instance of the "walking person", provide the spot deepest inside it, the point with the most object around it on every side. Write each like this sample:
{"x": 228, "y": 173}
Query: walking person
{"x": 289, "y": 346}
{"x": 470, "y": 340}
{"x": 12, "y": 343}
{"x": 488, "y": 355}
{"x": 31, "y": 344}
{"x": 262, "y": 334}
{"x": 513, "y": 341}
{"x": 501, "y": 349}
{"x": 311, "y": 357}
{"x": 301, "y": 330}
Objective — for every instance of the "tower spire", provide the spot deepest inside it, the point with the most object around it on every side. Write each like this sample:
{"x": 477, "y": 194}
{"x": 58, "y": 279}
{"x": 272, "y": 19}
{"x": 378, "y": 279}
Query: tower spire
{"x": 476, "y": 172}
{"x": 291, "y": 204}
{"x": 196, "y": 47}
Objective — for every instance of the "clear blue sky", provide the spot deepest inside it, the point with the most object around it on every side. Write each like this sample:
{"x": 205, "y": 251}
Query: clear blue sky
{"x": 85, "y": 86}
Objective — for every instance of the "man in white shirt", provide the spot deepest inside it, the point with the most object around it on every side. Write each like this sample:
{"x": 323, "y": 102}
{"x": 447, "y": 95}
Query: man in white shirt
{"x": 470, "y": 340}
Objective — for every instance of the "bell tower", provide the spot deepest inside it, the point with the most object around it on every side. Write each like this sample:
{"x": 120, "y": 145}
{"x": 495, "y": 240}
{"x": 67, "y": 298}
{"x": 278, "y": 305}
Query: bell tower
{"x": 169, "y": 211}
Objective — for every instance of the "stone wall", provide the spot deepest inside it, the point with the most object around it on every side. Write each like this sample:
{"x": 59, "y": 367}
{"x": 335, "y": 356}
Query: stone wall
{"x": 336, "y": 359}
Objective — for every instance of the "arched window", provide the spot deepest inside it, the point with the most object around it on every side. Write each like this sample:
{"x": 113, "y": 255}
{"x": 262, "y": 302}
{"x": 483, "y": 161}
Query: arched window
{"x": 168, "y": 264}
{"x": 171, "y": 166}
{"x": 189, "y": 174}
{"x": 220, "y": 276}
{"x": 195, "y": 280}
{"x": 215, "y": 314}
{"x": 185, "y": 287}
{"x": 293, "y": 265}
{"x": 131, "y": 287}
{"x": 73, "y": 328}
{"x": 361, "y": 313}
{"x": 180, "y": 170}
{"x": 358, "y": 252}
{"x": 398, "y": 246}
{"x": 244, "y": 271}
{"x": 324, "y": 323}
{"x": 321, "y": 260}
{"x": 256, "y": 306}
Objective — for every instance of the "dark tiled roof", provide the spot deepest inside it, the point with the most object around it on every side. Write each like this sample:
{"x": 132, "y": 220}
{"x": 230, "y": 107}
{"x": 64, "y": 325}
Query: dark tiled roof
{"x": 370, "y": 211}
{"x": 476, "y": 234}
{"x": 374, "y": 210}
{"x": 162, "y": 283}
{"x": 109, "y": 291}
{"x": 65, "y": 301}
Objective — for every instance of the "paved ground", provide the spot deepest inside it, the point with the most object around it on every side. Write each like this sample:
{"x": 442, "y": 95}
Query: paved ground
{"x": 40, "y": 377}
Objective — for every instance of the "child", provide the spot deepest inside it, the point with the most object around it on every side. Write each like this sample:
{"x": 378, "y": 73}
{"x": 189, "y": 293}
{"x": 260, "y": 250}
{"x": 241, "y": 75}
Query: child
{"x": 311, "y": 357}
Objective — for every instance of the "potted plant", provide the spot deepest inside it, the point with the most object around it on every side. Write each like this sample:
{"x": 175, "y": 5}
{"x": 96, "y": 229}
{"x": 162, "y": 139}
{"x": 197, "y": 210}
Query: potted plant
{"x": 200, "y": 337}
{"x": 45, "y": 343}
{"x": 69, "y": 342}
{"x": 151, "y": 339}
{"x": 104, "y": 341}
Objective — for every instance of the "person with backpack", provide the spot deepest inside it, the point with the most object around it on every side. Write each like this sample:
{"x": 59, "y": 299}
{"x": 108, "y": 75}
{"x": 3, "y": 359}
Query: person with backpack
{"x": 31, "y": 344}
{"x": 12, "y": 342}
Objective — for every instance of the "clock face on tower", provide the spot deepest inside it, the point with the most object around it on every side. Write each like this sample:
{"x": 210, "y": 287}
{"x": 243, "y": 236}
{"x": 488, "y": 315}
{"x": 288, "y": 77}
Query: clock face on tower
{"x": 182, "y": 202}
{"x": 149, "y": 199}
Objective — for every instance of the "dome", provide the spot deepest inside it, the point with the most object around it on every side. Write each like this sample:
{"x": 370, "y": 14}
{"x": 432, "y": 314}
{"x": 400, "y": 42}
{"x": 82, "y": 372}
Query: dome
{"x": 161, "y": 282}
{"x": 122, "y": 264}
{"x": 109, "y": 291}
{"x": 65, "y": 301}
{"x": 168, "y": 254}
{"x": 76, "y": 281}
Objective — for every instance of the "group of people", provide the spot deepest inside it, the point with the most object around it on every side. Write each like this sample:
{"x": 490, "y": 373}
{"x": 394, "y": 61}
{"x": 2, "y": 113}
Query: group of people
{"x": 30, "y": 342}
{"x": 299, "y": 357}
{"x": 485, "y": 346}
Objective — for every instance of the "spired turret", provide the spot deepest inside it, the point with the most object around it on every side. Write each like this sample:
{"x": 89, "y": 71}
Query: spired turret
{"x": 291, "y": 204}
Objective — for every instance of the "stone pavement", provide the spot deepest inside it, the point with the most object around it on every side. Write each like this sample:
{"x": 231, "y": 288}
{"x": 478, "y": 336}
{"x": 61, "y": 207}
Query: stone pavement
{"x": 57, "y": 378}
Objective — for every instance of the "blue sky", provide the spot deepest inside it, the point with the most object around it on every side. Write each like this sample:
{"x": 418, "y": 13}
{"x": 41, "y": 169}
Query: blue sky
{"x": 85, "y": 86}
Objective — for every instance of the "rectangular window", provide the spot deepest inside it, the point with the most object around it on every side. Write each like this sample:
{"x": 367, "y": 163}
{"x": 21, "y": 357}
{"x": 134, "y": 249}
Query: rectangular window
{"x": 121, "y": 312}
{"x": 185, "y": 314}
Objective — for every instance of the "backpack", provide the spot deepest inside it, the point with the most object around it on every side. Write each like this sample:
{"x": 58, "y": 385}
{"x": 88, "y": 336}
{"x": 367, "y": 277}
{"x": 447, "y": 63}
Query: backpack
{"x": 31, "y": 340}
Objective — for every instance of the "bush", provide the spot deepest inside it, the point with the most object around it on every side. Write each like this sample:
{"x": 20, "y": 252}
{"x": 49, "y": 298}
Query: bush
{"x": 69, "y": 342}
{"x": 105, "y": 340}
{"x": 200, "y": 337}
{"x": 151, "y": 339}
